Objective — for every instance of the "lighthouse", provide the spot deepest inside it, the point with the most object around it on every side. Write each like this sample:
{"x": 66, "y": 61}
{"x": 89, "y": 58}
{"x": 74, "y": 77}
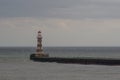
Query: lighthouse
{"x": 39, "y": 50}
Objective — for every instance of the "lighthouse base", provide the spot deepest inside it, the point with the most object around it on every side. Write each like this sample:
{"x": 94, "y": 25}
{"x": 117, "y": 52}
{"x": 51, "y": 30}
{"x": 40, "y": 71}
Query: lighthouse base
{"x": 40, "y": 55}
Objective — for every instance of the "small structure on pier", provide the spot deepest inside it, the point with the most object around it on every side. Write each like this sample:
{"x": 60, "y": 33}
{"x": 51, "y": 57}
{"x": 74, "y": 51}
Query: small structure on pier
{"x": 39, "y": 50}
{"x": 42, "y": 57}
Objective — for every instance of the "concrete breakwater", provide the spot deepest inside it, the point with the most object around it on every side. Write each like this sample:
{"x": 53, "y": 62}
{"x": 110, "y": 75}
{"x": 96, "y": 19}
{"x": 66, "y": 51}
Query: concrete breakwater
{"x": 80, "y": 60}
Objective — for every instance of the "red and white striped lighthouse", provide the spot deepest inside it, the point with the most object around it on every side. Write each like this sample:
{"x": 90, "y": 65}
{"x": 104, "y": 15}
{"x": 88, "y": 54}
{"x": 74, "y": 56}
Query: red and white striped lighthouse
{"x": 39, "y": 43}
{"x": 39, "y": 50}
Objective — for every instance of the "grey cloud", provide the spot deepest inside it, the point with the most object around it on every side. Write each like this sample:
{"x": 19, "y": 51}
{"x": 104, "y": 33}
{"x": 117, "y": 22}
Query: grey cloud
{"x": 77, "y": 9}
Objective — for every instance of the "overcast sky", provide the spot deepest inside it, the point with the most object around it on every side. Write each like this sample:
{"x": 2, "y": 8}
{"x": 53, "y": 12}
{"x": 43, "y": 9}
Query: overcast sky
{"x": 62, "y": 22}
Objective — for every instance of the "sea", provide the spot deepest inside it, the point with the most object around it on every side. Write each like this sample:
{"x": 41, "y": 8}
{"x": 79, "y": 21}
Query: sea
{"x": 15, "y": 64}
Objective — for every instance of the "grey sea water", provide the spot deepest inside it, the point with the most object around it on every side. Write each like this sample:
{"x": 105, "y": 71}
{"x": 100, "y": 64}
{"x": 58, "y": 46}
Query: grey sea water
{"x": 15, "y": 64}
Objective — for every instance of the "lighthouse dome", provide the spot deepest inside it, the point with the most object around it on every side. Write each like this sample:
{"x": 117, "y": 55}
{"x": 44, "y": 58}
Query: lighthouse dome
{"x": 39, "y": 31}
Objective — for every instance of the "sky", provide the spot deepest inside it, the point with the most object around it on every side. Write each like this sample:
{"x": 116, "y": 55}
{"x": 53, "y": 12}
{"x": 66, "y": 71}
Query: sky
{"x": 62, "y": 22}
